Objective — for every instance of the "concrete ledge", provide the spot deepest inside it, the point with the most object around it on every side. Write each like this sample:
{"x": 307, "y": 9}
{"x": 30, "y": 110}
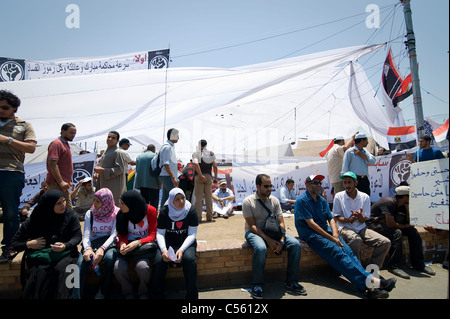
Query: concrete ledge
{"x": 228, "y": 264}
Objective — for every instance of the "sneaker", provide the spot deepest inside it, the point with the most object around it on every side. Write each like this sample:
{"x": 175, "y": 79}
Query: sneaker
{"x": 7, "y": 255}
{"x": 257, "y": 292}
{"x": 377, "y": 294}
{"x": 296, "y": 288}
{"x": 225, "y": 215}
{"x": 399, "y": 272}
{"x": 429, "y": 271}
{"x": 388, "y": 284}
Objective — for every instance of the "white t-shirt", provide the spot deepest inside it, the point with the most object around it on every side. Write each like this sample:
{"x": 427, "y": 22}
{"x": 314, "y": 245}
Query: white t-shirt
{"x": 343, "y": 205}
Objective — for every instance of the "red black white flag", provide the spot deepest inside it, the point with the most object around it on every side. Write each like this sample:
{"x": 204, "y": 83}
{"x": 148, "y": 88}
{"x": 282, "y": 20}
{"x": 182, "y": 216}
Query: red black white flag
{"x": 401, "y": 138}
{"x": 396, "y": 87}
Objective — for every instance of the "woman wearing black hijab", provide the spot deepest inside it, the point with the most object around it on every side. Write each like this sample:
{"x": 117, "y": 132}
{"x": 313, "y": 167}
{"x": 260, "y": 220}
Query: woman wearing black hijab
{"x": 136, "y": 229}
{"x": 49, "y": 238}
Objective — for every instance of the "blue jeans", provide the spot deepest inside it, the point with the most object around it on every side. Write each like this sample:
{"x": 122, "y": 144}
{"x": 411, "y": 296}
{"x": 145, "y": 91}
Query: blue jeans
{"x": 293, "y": 248}
{"x": 11, "y": 185}
{"x": 167, "y": 186}
{"x": 341, "y": 259}
{"x": 107, "y": 273}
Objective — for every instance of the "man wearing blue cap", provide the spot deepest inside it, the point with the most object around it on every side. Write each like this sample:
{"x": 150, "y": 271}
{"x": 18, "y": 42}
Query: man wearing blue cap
{"x": 357, "y": 160}
{"x": 351, "y": 209}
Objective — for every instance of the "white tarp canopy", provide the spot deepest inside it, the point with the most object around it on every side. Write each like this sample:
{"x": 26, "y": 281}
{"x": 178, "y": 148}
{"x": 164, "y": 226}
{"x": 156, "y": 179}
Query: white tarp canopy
{"x": 236, "y": 110}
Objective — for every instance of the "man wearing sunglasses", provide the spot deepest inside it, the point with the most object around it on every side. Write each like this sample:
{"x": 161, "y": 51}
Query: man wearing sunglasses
{"x": 17, "y": 137}
{"x": 255, "y": 216}
{"x": 316, "y": 226}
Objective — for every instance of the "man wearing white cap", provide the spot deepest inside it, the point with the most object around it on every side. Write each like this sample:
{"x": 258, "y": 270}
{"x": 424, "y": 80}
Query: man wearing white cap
{"x": 390, "y": 217}
{"x": 334, "y": 160}
{"x": 223, "y": 200}
{"x": 357, "y": 160}
{"x": 316, "y": 226}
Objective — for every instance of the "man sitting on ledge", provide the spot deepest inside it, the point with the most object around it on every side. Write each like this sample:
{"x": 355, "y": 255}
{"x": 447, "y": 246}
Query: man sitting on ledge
{"x": 255, "y": 216}
{"x": 316, "y": 226}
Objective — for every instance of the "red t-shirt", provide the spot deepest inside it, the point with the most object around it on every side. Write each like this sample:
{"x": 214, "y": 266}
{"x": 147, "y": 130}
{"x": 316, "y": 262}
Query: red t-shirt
{"x": 60, "y": 151}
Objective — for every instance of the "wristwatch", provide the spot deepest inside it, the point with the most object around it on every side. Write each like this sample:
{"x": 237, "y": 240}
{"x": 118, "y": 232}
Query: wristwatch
{"x": 10, "y": 140}
{"x": 282, "y": 241}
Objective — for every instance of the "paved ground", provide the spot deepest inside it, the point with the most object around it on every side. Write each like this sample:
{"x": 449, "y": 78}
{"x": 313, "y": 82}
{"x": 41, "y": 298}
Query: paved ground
{"x": 329, "y": 285}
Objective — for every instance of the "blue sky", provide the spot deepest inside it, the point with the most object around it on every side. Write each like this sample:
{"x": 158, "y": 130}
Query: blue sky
{"x": 231, "y": 33}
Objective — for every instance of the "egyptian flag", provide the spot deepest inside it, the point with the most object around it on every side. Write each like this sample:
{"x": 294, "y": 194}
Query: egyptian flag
{"x": 401, "y": 138}
{"x": 441, "y": 133}
{"x": 396, "y": 88}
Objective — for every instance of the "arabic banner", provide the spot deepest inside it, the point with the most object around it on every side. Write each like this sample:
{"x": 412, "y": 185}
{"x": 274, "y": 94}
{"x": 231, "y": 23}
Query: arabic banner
{"x": 32, "y": 70}
{"x": 428, "y": 200}
{"x": 35, "y": 174}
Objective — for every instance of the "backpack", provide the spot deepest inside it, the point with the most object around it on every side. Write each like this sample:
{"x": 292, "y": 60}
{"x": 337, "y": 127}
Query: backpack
{"x": 154, "y": 168}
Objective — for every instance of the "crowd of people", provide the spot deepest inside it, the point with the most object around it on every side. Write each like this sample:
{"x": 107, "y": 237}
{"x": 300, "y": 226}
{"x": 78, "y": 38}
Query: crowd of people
{"x": 129, "y": 227}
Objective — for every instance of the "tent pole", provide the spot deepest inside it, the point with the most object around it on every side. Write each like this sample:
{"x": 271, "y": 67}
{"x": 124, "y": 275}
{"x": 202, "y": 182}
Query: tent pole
{"x": 165, "y": 99}
{"x": 411, "y": 44}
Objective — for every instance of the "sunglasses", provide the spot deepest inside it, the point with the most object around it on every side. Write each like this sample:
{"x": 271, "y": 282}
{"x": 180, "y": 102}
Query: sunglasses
{"x": 5, "y": 107}
{"x": 315, "y": 183}
{"x": 267, "y": 186}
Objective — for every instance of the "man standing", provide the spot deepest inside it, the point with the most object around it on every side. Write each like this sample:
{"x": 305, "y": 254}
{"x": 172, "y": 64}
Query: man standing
{"x": 356, "y": 160}
{"x": 110, "y": 172}
{"x": 59, "y": 162}
{"x": 286, "y": 195}
{"x": 147, "y": 184}
{"x": 334, "y": 161}
{"x": 316, "y": 226}
{"x": 426, "y": 152}
{"x": 390, "y": 217}
{"x": 351, "y": 209}
{"x": 255, "y": 216}
{"x": 204, "y": 163}
{"x": 169, "y": 164}
{"x": 124, "y": 145}
{"x": 17, "y": 137}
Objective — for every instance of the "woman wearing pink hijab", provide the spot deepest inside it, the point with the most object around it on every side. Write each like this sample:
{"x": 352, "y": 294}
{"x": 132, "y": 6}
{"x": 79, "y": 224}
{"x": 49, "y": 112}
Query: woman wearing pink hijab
{"x": 99, "y": 242}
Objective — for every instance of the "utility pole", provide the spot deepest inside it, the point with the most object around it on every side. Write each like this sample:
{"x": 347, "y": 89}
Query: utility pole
{"x": 411, "y": 44}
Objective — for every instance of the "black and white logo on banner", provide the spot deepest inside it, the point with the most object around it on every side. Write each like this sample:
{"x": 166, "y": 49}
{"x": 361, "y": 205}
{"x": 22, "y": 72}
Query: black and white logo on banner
{"x": 12, "y": 70}
{"x": 158, "y": 59}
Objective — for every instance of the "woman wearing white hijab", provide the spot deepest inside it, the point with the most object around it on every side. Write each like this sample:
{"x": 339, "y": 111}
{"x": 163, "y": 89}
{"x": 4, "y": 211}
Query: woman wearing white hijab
{"x": 176, "y": 238}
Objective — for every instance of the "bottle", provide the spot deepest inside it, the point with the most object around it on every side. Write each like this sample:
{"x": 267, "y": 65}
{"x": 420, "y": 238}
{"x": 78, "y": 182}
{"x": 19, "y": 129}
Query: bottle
{"x": 96, "y": 268}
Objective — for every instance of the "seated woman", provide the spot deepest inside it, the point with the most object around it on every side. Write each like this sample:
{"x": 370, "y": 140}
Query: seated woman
{"x": 99, "y": 242}
{"x": 177, "y": 229}
{"x": 136, "y": 229}
{"x": 49, "y": 238}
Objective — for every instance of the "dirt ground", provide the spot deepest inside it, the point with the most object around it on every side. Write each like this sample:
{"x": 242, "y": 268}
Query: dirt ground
{"x": 232, "y": 229}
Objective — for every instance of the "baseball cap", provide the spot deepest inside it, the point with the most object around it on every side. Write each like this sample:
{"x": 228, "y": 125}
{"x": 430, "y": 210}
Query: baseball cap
{"x": 338, "y": 138}
{"x": 402, "y": 190}
{"x": 124, "y": 141}
{"x": 311, "y": 178}
{"x": 349, "y": 174}
{"x": 222, "y": 181}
